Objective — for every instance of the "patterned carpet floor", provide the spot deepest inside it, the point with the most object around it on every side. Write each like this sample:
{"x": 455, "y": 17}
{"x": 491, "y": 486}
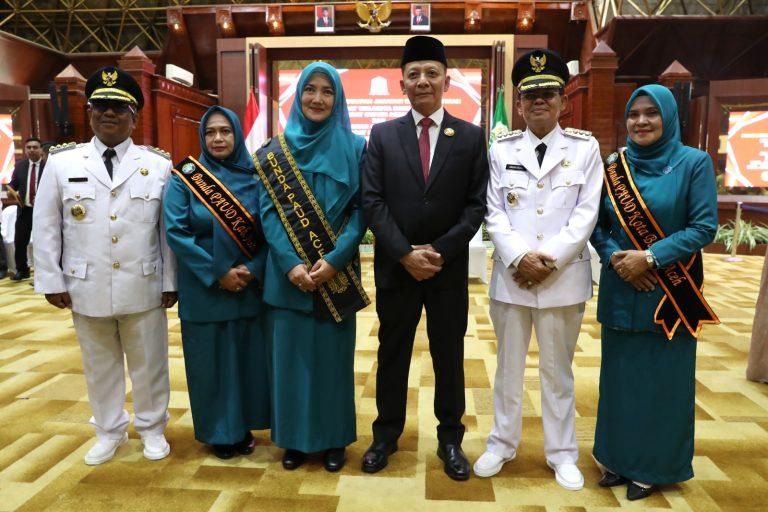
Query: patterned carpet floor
{"x": 44, "y": 429}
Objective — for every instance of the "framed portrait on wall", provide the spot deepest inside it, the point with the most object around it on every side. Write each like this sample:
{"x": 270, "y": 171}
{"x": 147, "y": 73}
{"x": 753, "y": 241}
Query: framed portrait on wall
{"x": 324, "y": 19}
{"x": 420, "y": 17}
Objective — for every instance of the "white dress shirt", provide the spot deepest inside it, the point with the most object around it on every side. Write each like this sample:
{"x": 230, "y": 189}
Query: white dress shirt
{"x": 37, "y": 164}
{"x": 120, "y": 150}
{"x": 434, "y": 130}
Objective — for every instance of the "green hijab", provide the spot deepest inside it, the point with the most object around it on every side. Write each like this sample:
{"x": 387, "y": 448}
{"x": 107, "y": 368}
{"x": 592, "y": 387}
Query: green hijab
{"x": 329, "y": 147}
{"x": 662, "y": 156}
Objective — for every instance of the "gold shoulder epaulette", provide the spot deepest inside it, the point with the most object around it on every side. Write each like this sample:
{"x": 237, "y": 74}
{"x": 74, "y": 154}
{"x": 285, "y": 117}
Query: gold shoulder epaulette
{"x": 58, "y": 148}
{"x": 158, "y": 151}
{"x": 578, "y": 134}
{"x": 507, "y": 135}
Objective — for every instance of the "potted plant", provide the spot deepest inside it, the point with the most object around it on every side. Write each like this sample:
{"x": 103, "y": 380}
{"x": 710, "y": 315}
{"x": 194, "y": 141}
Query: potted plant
{"x": 753, "y": 239}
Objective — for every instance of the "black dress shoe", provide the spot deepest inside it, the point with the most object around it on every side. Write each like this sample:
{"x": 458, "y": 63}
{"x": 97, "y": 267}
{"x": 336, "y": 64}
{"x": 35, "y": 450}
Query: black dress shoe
{"x": 455, "y": 462}
{"x": 247, "y": 445}
{"x": 292, "y": 459}
{"x": 376, "y": 457}
{"x": 612, "y": 480}
{"x": 224, "y": 451}
{"x": 636, "y": 492}
{"x": 18, "y": 276}
{"x": 334, "y": 459}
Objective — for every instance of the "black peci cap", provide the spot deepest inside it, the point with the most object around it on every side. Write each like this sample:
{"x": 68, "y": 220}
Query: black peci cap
{"x": 114, "y": 84}
{"x": 539, "y": 69}
{"x": 423, "y": 48}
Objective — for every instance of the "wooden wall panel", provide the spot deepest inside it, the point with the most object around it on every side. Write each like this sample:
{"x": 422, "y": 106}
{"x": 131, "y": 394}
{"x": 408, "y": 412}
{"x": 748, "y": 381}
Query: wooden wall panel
{"x": 232, "y": 77}
{"x": 178, "y": 110}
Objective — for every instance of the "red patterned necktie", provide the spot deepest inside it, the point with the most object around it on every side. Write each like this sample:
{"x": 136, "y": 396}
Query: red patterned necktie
{"x": 32, "y": 183}
{"x": 424, "y": 146}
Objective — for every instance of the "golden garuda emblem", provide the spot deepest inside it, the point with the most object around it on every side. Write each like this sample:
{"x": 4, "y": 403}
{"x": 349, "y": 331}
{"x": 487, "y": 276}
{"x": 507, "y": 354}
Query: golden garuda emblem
{"x": 109, "y": 79}
{"x": 538, "y": 63}
{"x": 374, "y": 15}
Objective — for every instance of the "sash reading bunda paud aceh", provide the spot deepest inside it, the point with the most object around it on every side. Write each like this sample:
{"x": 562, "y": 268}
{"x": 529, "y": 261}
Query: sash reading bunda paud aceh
{"x": 681, "y": 282}
{"x": 308, "y": 229}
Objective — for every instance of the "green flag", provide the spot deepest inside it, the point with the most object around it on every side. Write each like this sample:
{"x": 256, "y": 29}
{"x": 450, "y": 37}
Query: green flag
{"x": 500, "y": 123}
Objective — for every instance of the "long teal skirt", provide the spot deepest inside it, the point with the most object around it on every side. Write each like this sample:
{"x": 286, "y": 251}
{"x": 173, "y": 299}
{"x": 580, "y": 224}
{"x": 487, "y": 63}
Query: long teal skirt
{"x": 312, "y": 380}
{"x": 645, "y": 416}
{"x": 226, "y": 365}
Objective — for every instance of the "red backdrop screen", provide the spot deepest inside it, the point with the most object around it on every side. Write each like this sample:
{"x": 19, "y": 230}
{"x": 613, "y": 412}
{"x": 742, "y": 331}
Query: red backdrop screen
{"x": 374, "y": 95}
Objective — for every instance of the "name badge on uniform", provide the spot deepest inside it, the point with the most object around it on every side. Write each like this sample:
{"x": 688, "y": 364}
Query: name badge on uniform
{"x": 512, "y": 198}
{"x": 515, "y": 167}
{"x": 78, "y": 211}
{"x": 78, "y": 179}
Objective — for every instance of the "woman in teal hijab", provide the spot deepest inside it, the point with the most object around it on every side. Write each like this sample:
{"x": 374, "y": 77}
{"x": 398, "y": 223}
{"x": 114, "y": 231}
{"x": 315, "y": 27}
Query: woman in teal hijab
{"x": 220, "y": 303}
{"x": 645, "y": 416}
{"x": 311, "y": 360}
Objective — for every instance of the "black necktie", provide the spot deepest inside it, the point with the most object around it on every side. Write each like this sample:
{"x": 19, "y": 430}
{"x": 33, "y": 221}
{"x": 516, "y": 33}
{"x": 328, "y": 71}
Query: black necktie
{"x": 540, "y": 150}
{"x": 108, "y": 154}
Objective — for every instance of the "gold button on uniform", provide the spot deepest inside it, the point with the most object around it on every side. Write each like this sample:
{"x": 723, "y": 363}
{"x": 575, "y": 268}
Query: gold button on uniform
{"x": 113, "y": 217}
{"x": 540, "y": 210}
{"x": 146, "y": 196}
{"x": 115, "y": 239}
{"x": 113, "y": 193}
{"x": 77, "y": 196}
{"x": 540, "y": 185}
{"x": 539, "y": 237}
{"x": 72, "y": 271}
{"x": 581, "y": 256}
{"x": 116, "y": 264}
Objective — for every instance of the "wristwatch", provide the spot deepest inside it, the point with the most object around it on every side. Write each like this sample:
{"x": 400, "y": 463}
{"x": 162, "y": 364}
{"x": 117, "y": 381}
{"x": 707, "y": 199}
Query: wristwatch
{"x": 649, "y": 259}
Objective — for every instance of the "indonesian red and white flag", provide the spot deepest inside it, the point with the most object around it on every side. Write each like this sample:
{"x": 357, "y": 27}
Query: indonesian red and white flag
{"x": 254, "y": 126}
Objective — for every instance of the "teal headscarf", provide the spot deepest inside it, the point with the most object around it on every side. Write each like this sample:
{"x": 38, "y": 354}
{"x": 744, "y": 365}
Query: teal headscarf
{"x": 237, "y": 173}
{"x": 661, "y": 156}
{"x": 329, "y": 147}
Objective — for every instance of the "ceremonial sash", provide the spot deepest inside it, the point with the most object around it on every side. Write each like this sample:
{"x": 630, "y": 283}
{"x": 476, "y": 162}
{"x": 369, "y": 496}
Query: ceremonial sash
{"x": 682, "y": 283}
{"x": 308, "y": 229}
{"x": 236, "y": 220}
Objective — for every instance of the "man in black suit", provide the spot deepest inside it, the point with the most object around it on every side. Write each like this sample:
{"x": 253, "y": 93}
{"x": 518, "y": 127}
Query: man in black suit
{"x": 23, "y": 187}
{"x": 424, "y": 197}
{"x": 418, "y": 18}
{"x": 325, "y": 20}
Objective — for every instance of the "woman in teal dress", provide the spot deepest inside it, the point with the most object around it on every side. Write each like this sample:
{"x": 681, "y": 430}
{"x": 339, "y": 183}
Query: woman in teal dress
{"x": 645, "y": 416}
{"x": 311, "y": 360}
{"x": 220, "y": 297}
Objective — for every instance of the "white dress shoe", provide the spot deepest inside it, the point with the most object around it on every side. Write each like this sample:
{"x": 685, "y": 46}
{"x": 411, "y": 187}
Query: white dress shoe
{"x": 568, "y": 476}
{"x": 156, "y": 447}
{"x": 489, "y": 464}
{"x": 104, "y": 450}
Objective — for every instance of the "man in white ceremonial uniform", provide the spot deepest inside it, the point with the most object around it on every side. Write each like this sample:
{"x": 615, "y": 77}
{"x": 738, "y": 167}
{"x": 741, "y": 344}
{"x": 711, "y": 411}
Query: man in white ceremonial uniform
{"x": 543, "y": 198}
{"x": 100, "y": 250}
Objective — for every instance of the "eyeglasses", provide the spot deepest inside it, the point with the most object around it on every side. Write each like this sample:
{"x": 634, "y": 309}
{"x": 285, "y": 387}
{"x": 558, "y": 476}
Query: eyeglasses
{"x": 118, "y": 107}
{"x": 544, "y": 95}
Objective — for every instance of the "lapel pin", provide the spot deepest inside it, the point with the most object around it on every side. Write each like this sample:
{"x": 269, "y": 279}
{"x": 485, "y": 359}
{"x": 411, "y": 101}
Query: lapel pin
{"x": 566, "y": 163}
{"x": 449, "y": 132}
{"x": 143, "y": 171}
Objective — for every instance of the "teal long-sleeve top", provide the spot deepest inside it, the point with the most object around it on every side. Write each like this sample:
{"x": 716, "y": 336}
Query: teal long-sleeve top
{"x": 278, "y": 290}
{"x": 190, "y": 232}
{"x": 684, "y": 203}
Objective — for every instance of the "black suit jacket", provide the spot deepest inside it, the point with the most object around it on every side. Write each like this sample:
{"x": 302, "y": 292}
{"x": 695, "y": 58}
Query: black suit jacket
{"x": 424, "y": 20}
{"x": 19, "y": 178}
{"x": 402, "y": 210}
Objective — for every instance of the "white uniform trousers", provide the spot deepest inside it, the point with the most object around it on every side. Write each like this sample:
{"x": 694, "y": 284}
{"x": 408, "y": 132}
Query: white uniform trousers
{"x": 143, "y": 338}
{"x": 557, "y": 330}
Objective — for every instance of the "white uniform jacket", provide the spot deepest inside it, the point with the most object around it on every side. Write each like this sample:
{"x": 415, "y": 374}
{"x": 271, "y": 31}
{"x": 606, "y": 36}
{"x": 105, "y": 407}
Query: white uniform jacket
{"x": 102, "y": 239}
{"x": 552, "y": 209}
